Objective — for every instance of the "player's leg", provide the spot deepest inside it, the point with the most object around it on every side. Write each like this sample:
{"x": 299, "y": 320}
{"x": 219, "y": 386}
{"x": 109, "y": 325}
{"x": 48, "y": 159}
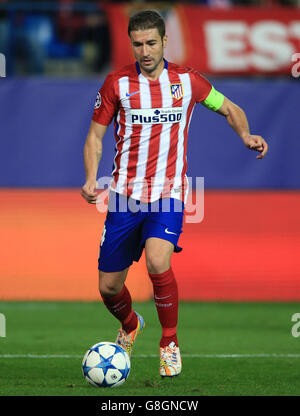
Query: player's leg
{"x": 165, "y": 290}
{"x": 117, "y": 299}
{"x": 158, "y": 260}
{"x": 161, "y": 232}
{"x": 117, "y": 249}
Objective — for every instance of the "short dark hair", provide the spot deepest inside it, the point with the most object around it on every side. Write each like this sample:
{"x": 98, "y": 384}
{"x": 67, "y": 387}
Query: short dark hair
{"x": 147, "y": 19}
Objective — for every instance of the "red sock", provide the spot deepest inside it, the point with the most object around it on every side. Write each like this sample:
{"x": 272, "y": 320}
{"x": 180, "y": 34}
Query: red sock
{"x": 121, "y": 307}
{"x": 166, "y": 300}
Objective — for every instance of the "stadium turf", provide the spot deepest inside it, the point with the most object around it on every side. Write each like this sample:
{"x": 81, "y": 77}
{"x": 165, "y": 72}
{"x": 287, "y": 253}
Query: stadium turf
{"x": 228, "y": 349}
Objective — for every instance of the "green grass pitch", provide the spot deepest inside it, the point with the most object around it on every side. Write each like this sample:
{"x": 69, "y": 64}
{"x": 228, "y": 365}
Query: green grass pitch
{"x": 228, "y": 349}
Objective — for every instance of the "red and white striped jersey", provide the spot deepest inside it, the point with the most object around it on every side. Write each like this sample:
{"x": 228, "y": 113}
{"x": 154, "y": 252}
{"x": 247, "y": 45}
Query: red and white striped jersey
{"x": 151, "y": 122}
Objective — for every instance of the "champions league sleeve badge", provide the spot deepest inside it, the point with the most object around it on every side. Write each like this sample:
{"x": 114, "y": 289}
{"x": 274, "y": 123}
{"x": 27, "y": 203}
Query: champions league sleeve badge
{"x": 98, "y": 101}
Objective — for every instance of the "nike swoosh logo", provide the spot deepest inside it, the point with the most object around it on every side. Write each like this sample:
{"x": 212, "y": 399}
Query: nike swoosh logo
{"x": 164, "y": 297}
{"x": 169, "y": 232}
{"x": 133, "y": 93}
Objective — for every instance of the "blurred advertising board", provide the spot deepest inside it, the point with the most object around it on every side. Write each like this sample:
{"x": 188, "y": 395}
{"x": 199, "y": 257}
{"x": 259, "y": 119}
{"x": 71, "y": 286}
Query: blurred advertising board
{"x": 235, "y": 41}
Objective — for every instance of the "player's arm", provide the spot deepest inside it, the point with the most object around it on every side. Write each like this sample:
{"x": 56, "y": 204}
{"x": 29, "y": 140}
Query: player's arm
{"x": 92, "y": 153}
{"x": 237, "y": 119}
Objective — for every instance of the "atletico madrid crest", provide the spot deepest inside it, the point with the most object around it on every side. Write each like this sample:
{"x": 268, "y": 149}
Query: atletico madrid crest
{"x": 176, "y": 91}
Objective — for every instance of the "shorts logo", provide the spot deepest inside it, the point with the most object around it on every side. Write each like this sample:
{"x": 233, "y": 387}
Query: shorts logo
{"x": 98, "y": 101}
{"x": 176, "y": 91}
{"x": 169, "y": 232}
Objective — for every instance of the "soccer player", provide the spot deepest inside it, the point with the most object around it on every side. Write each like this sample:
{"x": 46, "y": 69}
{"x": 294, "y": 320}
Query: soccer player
{"x": 151, "y": 102}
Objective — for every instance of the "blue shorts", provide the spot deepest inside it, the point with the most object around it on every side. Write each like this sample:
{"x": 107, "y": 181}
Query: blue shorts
{"x": 129, "y": 223}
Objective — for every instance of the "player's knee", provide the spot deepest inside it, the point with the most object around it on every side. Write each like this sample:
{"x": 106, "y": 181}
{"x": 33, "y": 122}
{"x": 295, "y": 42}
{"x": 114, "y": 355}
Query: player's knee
{"x": 157, "y": 264}
{"x": 108, "y": 291}
{"x": 107, "y": 287}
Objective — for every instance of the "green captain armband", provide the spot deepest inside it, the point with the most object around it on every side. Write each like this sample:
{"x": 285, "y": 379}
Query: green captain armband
{"x": 214, "y": 100}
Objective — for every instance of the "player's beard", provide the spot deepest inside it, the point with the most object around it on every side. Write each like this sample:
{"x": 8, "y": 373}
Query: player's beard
{"x": 153, "y": 67}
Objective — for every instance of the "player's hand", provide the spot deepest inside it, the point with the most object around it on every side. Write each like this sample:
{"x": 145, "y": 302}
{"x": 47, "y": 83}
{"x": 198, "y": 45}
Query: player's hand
{"x": 88, "y": 192}
{"x": 256, "y": 143}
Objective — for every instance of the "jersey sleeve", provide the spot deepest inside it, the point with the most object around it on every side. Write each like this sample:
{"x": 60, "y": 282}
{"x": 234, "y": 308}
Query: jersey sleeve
{"x": 201, "y": 87}
{"x": 205, "y": 93}
{"x": 106, "y": 103}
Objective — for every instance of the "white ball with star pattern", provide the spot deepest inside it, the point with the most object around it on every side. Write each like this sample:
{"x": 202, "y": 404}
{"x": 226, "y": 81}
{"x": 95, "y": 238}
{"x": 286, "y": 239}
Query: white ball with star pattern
{"x": 106, "y": 364}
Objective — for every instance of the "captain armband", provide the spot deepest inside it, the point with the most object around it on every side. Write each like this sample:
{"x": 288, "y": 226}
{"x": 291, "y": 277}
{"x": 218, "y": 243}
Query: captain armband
{"x": 214, "y": 100}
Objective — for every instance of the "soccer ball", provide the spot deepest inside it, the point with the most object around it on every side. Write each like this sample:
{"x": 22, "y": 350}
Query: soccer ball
{"x": 106, "y": 364}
